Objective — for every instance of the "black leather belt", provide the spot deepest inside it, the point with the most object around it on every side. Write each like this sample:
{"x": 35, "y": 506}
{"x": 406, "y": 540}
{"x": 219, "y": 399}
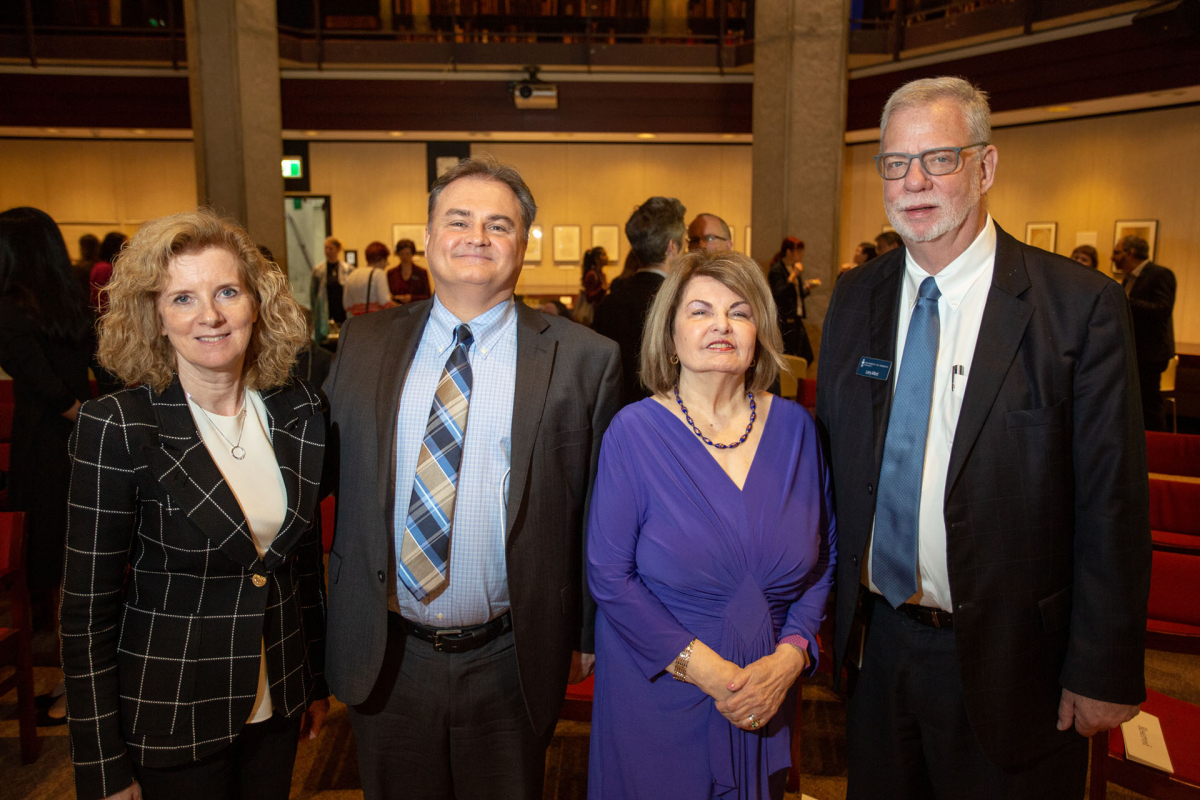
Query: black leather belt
{"x": 933, "y": 617}
{"x": 455, "y": 640}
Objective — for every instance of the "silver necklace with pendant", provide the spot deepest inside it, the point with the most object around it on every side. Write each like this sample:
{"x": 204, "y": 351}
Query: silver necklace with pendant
{"x": 235, "y": 448}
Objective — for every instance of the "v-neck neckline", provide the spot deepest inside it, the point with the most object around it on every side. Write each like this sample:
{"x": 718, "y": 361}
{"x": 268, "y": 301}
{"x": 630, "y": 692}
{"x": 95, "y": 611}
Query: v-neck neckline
{"x": 691, "y": 435}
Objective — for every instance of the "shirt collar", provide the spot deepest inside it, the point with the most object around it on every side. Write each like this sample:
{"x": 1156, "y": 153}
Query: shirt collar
{"x": 486, "y": 328}
{"x": 1138, "y": 269}
{"x": 960, "y": 274}
{"x": 655, "y": 270}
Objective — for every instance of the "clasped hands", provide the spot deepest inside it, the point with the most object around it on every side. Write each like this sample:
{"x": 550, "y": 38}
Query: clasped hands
{"x": 757, "y": 689}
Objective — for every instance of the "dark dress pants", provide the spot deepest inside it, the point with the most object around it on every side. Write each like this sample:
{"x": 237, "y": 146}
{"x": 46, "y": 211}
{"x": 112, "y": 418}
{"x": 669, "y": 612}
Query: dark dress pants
{"x": 907, "y": 729}
{"x": 448, "y": 725}
{"x": 1150, "y": 378}
{"x": 257, "y": 765}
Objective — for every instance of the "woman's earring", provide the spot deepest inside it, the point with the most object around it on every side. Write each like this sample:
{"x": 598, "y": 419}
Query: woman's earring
{"x": 675, "y": 359}
{"x": 753, "y": 361}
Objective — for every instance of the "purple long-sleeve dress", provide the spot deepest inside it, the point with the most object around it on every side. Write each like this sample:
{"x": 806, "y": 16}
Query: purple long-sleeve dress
{"x": 676, "y": 551}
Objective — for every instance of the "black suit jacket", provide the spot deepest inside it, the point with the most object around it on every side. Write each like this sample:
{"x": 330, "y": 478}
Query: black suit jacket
{"x": 567, "y": 387}
{"x": 1152, "y": 301}
{"x": 1046, "y": 510}
{"x": 162, "y": 663}
{"x": 622, "y": 318}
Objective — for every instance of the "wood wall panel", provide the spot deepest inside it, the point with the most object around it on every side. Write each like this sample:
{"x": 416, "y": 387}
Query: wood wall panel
{"x": 1084, "y": 175}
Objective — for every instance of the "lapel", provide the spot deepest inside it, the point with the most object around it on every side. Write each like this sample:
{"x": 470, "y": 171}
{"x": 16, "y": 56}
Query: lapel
{"x": 535, "y": 363}
{"x": 1005, "y": 317}
{"x": 884, "y": 311}
{"x": 289, "y": 414}
{"x": 395, "y": 356}
{"x": 186, "y": 471}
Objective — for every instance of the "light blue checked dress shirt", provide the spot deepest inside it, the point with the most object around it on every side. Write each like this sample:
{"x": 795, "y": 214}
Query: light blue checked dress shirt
{"x": 478, "y": 585}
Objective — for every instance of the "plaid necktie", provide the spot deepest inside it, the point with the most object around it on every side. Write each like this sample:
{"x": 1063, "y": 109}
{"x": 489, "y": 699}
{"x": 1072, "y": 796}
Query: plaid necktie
{"x": 425, "y": 547}
{"x": 898, "y": 507}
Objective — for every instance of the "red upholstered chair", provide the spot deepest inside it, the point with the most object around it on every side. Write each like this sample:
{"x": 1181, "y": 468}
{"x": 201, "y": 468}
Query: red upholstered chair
{"x": 6, "y": 391}
{"x": 1174, "y": 625}
{"x": 4, "y": 456}
{"x": 807, "y": 394}
{"x": 15, "y": 643}
{"x": 1173, "y": 453}
{"x": 1175, "y": 513}
{"x": 578, "y": 703}
{"x": 6, "y": 421}
{"x": 328, "y": 521}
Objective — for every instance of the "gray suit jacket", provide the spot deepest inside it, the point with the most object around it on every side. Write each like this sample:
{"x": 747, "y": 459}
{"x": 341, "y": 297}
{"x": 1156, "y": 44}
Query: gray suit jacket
{"x": 567, "y": 391}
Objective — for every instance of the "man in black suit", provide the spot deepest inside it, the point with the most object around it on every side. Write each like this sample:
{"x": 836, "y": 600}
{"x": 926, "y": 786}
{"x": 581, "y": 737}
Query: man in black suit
{"x": 990, "y": 479}
{"x": 468, "y": 428}
{"x": 1150, "y": 288}
{"x": 656, "y": 233}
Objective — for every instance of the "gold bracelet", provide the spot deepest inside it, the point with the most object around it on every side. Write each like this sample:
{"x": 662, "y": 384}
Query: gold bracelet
{"x": 680, "y": 667}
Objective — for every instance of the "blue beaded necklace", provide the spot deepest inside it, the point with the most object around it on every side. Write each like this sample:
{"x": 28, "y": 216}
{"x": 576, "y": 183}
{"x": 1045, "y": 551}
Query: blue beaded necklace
{"x": 705, "y": 439}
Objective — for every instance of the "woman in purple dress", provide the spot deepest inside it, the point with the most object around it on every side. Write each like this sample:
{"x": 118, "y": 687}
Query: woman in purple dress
{"x": 711, "y": 550}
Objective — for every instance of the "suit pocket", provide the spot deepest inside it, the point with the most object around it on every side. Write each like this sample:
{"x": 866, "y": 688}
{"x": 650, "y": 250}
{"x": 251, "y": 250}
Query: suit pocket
{"x": 156, "y": 666}
{"x": 1036, "y": 417}
{"x": 559, "y": 439}
{"x": 1056, "y": 610}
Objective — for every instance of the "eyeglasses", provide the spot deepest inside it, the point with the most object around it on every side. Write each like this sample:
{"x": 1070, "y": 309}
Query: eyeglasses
{"x": 935, "y": 161}
{"x": 708, "y": 238}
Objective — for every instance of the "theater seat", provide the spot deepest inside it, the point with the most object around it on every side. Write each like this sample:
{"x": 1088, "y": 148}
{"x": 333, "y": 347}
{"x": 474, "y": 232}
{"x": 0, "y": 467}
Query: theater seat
{"x": 16, "y": 642}
{"x": 578, "y": 703}
{"x": 1173, "y": 453}
{"x": 328, "y": 522}
{"x": 1181, "y": 730}
{"x": 6, "y": 421}
{"x": 1175, "y": 506}
{"x": 1173, "y": 614}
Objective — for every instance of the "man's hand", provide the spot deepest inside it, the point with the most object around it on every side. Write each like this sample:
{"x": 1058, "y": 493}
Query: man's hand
{"x": 1091, "y": 716}
{"x": 314, "y": 718}
{"x": 582, "y": 665}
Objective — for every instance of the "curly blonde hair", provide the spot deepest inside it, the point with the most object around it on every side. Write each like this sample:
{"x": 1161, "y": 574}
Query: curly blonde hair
{"x": 131, "y": 344}
{"x": 744, "y": 277}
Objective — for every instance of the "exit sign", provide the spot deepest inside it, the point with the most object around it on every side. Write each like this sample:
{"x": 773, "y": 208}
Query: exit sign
{"x": 293, "y": 167}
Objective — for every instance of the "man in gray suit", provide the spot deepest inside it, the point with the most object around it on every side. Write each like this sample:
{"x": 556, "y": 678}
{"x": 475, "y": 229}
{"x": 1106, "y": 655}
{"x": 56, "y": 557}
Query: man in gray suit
{"x": 468, "y": 428}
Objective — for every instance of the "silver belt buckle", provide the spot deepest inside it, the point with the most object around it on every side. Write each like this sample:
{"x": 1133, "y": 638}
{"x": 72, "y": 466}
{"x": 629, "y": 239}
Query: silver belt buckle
{"x": 437, "y": 637}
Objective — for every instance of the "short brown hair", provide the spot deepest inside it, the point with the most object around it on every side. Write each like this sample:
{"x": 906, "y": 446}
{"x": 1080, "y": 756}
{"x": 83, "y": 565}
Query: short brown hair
{"x": 376, "y": 251}
{"x": 131, "y": 345}
{"x": 403, "y": 243}
{"x": 653, "y": 226}
{"x": 487, "y": 167}
{"x": 742, "y": 275}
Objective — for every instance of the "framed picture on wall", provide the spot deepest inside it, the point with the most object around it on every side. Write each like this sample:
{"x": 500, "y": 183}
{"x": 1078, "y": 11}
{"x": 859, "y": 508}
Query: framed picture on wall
{"x": 533, "y": 250}
{"x": 1143, "y": 228}
{"x": 1043, "y": 235}
{"x": 409, "y": 230}
{"x": 566, "y": 244}
{"x": 608, "y": 237}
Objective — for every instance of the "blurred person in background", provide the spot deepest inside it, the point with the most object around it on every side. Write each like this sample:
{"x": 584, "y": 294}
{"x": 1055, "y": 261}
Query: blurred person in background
{"x": 89, "y": 254}
{"x": 1086, "y": 254}
{"x": 102, "y": 270}
{"x": 788, "y": 288}
{"x": 45, "y": 344}
{"x": 366, "y": 289}
{"x": 330, "y": 276}
{"x": 408, "y": 282}
{"x": 595, "y": 286}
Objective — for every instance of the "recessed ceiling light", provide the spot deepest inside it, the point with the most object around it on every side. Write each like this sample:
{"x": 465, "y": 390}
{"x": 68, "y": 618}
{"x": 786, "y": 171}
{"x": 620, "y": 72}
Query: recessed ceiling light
{"x": 1058, "y": 109}
{"x": 51, "y": 130}
{"x": 310, "y": 133}
{"x": 647, "y": 136}
{"x": 395, "y": 133}
{"x": 140, "y": 131}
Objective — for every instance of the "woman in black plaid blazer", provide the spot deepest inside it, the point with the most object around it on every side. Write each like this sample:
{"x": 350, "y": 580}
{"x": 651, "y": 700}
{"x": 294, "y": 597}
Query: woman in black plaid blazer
{"x": 168, "y": 605}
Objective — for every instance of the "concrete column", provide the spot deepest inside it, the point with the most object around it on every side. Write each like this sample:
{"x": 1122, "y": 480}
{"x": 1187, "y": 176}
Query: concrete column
{"x": 799, "y": 121}
{"x": 233, "y": 79}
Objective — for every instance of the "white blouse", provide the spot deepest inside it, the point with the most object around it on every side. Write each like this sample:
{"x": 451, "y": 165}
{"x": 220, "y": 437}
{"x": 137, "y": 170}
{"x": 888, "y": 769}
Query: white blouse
{"x": 256, "y": 483}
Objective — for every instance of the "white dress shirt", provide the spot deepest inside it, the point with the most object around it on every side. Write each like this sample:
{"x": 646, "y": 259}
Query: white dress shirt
{"x": 964, "y": 285}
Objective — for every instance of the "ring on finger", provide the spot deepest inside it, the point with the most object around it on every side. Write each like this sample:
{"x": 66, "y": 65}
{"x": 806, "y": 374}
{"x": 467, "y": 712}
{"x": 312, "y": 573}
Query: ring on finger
{"x": 753, "y": 722}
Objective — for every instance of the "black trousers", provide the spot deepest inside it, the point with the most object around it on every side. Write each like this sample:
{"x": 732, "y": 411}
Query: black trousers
{"x": 256, "y": 766}
{"x": 448, "y": 725}
{"x": 907, "y": 729}
{"x": 1150, "y": 378}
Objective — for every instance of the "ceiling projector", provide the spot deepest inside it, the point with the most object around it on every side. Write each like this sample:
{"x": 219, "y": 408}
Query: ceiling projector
{"x": 533, "y": 92}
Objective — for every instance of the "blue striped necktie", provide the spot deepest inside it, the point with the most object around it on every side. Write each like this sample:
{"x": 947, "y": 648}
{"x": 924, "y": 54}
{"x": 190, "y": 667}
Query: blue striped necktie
{"x": 425, "y": 548}
{"x": 898, "y": 507}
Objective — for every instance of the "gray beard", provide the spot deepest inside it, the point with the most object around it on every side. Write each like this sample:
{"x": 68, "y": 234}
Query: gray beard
{"x": 951, "y": 218}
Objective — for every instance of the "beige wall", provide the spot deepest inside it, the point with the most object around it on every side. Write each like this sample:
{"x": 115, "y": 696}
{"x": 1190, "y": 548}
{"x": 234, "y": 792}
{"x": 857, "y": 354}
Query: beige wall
{"x": 97, "y": 186}
{"x": 1084, "y": 175}
{"x": 601, "y": 184}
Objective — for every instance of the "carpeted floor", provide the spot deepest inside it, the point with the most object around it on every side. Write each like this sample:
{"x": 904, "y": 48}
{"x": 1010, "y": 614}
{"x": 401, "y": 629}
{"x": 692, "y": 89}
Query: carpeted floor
{"x": 326, "y": 768}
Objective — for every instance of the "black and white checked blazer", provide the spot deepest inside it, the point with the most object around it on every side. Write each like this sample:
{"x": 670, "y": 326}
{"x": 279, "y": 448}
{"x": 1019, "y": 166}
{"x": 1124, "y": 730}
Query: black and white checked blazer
{"x": 163, "y": 614}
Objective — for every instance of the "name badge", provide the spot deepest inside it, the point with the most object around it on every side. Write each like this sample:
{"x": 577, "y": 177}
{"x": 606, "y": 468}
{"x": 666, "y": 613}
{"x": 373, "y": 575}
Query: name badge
{"x": 875, "y": 368}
